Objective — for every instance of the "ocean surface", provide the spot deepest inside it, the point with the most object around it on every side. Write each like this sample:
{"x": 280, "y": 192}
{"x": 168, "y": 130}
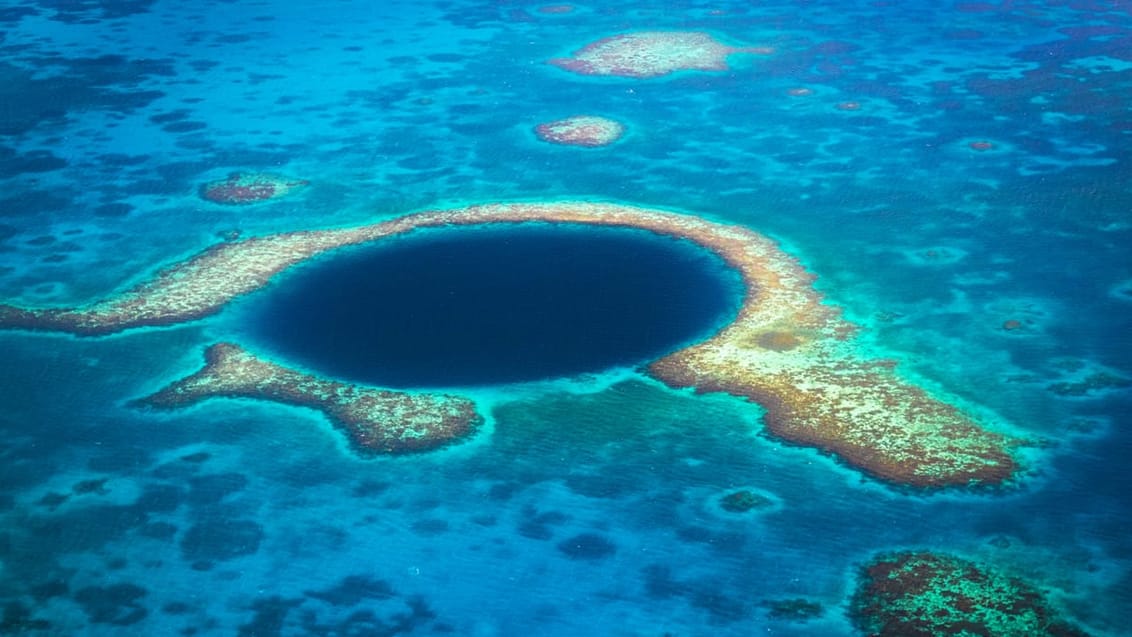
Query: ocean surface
{"x": 957, "y": 176}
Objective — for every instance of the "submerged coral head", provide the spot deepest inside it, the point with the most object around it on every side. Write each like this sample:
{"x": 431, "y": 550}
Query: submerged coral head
{"x": 248, "y": 188}
{"x": 581, "y": 130}
{"x": 744, "y": 500}
{"x": 646, "y": 54}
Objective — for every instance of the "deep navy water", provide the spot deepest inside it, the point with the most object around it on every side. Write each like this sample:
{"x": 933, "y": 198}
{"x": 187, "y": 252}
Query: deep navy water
{"x": 955, "y": 175}
{"x": 491, "y": 305}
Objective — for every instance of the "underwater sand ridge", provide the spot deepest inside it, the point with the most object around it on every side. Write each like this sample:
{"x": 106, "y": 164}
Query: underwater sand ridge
{"x": 785, "y": 350}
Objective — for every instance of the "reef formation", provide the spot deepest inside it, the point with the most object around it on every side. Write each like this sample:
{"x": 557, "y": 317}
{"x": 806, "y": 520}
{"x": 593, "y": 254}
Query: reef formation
{"x": 374, "y": 421}
{"x": 239, "y": 189}
{"x": 743, "y": 501}
{"x": 557, "y": 9}
{"x": 786, "y": 350}
{"x": 581, "y": 130}
{"x": 652, "y": 54}
{"x": 925, "y": 594}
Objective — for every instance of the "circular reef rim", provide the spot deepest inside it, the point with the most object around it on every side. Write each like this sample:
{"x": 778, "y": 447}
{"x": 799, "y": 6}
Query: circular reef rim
{"x": 786, "y": 350}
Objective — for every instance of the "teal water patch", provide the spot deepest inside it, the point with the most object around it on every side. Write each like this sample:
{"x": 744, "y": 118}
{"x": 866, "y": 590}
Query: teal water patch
{"x": 493, "y": 304}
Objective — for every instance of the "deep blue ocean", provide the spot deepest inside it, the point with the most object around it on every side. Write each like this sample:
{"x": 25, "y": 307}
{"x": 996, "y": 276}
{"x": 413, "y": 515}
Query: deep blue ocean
{"x": 957, "y": 176}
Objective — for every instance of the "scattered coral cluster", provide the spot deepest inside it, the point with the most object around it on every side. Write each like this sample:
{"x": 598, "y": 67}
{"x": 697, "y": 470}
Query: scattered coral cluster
{"x": 924, "y": 594}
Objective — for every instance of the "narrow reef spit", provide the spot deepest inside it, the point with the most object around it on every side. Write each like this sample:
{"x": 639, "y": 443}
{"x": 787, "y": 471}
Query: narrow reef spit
{"x": 374, "y": 421}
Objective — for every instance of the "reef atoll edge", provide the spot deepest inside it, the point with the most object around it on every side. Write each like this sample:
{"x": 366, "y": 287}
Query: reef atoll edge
{"x": 785, "y": 350}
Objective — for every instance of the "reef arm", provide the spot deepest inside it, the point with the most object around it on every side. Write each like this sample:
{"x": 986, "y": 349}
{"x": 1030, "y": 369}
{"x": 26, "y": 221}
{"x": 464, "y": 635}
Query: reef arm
{"x": 859, "y": 411}
{"x": 375, "y": 421}
{"x": 189, "y": 290}
{"x": 887, "y": 427}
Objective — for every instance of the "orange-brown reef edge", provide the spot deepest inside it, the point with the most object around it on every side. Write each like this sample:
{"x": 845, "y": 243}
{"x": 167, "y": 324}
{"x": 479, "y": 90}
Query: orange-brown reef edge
{"x": 785, "y": 350}
{"x": 375, "y": 421}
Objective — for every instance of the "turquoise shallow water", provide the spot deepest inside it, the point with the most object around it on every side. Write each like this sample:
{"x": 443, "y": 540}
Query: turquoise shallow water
{"x": 997, "y": 275}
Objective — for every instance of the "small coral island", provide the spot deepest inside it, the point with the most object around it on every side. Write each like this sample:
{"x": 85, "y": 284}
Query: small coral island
{"x": 581, "y": 130}
{"x": 652, "y": 54}
{"x": 239, "y": 189}
{"x": 925, "y": 594}
{"x": 786, "y": 350}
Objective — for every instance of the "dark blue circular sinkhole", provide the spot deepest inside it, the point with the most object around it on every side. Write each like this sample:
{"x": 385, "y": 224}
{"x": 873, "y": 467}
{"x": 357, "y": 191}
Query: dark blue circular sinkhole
{"x": 494, "y": 303}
